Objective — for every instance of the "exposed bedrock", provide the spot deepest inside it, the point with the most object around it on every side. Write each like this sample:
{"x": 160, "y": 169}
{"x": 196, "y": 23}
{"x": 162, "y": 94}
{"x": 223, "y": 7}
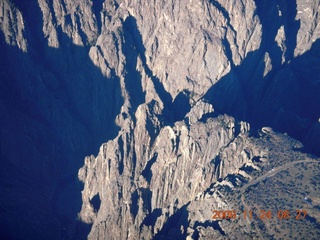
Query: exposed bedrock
{"x": 182, "y": 97}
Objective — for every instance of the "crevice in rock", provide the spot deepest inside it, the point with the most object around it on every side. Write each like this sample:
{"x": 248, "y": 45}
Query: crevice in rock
{"x": 121, "y": 156}
{"x": 147, "y": 172}
{"x": 132, "y": 76}
{"x": 96, "y": 202}
{"x": 134, "y": 208}
{"x": 97, "y": 6}
{"x": 225, "y": 14}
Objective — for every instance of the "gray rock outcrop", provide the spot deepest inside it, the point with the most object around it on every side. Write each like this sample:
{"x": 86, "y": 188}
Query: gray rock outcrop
{"x": 189, "y": 100}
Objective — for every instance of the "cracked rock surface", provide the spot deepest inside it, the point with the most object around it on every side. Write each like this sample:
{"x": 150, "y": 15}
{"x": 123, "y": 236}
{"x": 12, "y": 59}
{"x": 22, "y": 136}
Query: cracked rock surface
{"x": 178, "y": 106}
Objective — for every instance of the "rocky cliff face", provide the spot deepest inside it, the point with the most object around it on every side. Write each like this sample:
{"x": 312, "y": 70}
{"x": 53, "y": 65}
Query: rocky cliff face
{"x": 179, "y": 92}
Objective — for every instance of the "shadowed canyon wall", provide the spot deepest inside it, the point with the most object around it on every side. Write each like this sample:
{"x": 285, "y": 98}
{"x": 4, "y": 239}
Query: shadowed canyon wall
{"x": 167, "y": 96}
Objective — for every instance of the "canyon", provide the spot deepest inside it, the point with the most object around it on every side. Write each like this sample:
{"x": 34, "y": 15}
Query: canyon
{"x": 135, "y": 120}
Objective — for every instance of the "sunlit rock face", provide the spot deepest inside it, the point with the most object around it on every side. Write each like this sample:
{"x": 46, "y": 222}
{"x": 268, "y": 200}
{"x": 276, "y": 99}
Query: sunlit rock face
{"x": 172, "y": 102}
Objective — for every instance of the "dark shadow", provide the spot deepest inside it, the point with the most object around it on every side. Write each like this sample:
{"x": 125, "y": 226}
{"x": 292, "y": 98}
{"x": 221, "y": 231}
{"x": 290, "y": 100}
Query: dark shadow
{"x": 146, "y": 195}
{"x": 134, "y": 203}
{"x": 56, "y": 107}
{"x": 96, "y": 202}
{"x": 97, "y": 8}
{"x": 313, "y": 220}
{"x": 172, "y": 227}
{"x": 248, "y": 169}
{"x": 133, "y": 47}
{"x": 61, "y": 186}
{"x": 256, "y": 159}
{"x": 286, "y": 98}
{"x": 181, "y": 105}
{"x": 216, "y": 162}
{"x": 121, "y": 157}
{"x": 131, "y": 25}
{"x": 65, "y": 225}
{"x": 151, "y": 219}
{"x": 147, "y": 172}
{"x": 236, "y": 180}
{"x": 206, "y": 116}
{"x": 214, "y": 224}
